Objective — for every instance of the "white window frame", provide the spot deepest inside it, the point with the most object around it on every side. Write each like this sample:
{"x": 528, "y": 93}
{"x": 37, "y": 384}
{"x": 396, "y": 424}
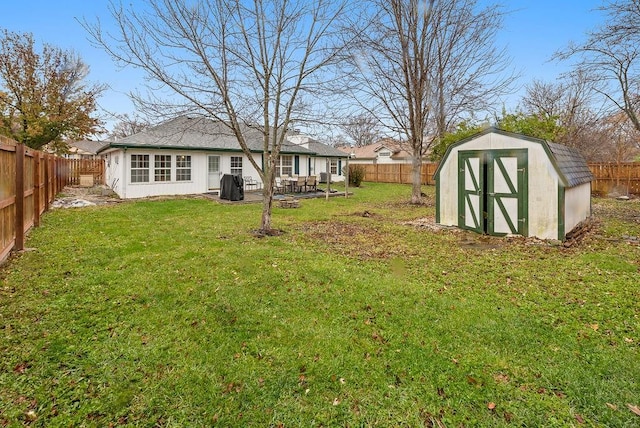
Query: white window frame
{"x": 236, "y": 165}
{"x": 140, "y": 168}
{"x": 161, "y": 168}
{"x": 285, "y": 166}
{"x": 183, "y": 167}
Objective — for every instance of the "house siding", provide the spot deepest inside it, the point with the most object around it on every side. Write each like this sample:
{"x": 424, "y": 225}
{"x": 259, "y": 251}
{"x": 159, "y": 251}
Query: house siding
{"x": 119, "y": 172}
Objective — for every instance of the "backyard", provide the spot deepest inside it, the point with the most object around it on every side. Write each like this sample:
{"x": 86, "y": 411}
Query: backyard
{"x": 175, "y": 313}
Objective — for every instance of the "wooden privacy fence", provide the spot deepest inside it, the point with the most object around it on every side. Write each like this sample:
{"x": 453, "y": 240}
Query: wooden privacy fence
{"x": 29, "y": 182}
{"x": 397, "y": 173}
{"x": 615, "y": 178}
{"x": 618, "y": 178}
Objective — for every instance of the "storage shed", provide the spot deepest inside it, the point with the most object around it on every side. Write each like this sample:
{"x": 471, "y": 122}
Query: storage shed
{"x": 501, "y": 183}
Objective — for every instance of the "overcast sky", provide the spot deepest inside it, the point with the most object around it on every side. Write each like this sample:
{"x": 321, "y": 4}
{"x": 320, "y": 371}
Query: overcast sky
{"x": 533, "y": 31}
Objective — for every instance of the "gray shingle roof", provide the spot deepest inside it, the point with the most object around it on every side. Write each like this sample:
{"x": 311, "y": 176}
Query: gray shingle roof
{"x": 198, "y": 133}
{"x": 324, "y": 150}
{"x": 571, "y": 164}
{"x": 87, "y": 146}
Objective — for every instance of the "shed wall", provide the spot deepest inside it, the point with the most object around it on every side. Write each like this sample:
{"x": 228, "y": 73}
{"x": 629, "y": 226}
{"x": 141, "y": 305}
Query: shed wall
{"x": 577, "y": 205}
{"x": 542, "y": 178}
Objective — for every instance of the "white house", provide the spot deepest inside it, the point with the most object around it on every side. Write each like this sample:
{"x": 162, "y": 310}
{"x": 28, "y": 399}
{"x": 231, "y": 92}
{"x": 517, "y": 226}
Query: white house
{"x": 501, "y": 183}
{"x": 189, "y": 155}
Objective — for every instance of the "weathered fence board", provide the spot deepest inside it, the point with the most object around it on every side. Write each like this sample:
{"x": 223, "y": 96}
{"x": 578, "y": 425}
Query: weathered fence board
{"x": 29, "y": 181}
{"x": 398, "y": 173}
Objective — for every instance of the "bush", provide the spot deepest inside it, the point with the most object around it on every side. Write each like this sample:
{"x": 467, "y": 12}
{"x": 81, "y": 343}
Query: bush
{"x": 356, "y": 174}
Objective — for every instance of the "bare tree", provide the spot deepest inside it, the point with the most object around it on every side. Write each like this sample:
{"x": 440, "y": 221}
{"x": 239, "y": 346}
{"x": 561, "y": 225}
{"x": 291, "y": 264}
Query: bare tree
{"x": 610, "y": 57}
{"x": 128, "y": 125}
{"x": 246, "y": 64}
{"x": 44, "y": 95}
{"x": 361, "y": 129}
{"x": 424, "y": 65}
{"x": 571, "y": 104}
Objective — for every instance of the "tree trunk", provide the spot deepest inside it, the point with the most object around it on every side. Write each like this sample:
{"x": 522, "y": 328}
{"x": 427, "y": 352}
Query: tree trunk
{"x": 267, "y": 203}
{"x": 416, "y": 179}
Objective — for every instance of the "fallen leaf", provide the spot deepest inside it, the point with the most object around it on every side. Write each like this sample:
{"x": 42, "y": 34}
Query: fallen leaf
{"x": 20, "y": 368}
{"x": 634, "y": 409}
{"x": 491, "y": 405}
{"x": 612, "y": 406}
{"x": 579, "y": 419}
{"x": 336, "y": 401}
{"x": 594, "y": 327}
{"x": 471, "y": 380}
{"x": 628, "y": 340}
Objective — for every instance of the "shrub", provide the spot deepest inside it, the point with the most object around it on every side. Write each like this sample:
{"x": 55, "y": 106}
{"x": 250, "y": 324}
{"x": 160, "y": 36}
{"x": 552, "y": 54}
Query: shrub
{"x": 356, "y": 174}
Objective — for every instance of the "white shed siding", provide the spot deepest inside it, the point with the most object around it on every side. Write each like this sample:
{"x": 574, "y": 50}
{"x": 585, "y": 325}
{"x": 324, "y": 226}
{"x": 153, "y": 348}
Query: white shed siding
{"x": 574, "y": 207}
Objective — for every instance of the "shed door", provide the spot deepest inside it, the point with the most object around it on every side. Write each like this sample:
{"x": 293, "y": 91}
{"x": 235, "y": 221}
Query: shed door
{"x": 470, "y": 191}
{"x": 492, "y": 192}
{"x": 507, "y": 192}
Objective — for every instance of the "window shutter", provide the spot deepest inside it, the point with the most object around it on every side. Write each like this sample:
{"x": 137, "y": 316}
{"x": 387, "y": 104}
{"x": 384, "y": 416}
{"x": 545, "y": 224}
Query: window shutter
{"x": 296, "y": 165}
{"x": 339, "y": 166}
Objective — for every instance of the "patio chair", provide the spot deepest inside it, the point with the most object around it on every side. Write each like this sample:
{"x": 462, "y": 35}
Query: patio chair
{"x": 300, "y": 183}
{"x": 251, "y": 182}
{"x": 278, "y": 186}
{"x": 312, "y": 183}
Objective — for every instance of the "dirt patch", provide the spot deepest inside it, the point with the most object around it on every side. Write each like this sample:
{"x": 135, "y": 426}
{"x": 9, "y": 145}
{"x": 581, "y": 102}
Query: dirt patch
{"x": 357, "y": 240}
{"x": 76, "y": 196}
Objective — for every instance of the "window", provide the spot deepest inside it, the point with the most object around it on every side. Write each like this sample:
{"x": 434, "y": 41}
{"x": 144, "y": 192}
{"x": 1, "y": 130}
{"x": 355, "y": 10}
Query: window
{"x": 286, "y": 166}
{"x": 183, "y": 168}
{"x": 236, "y": 165}
{"x": 162, "y": 170}
{"x": 139, "y": 168}
{"x": 334, "y": 166}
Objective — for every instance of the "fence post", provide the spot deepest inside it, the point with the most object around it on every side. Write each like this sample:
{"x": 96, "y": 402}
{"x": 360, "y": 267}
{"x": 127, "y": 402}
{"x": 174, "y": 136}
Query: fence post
{"x": 36, "y": 189}
{"x": 19, "y": 242}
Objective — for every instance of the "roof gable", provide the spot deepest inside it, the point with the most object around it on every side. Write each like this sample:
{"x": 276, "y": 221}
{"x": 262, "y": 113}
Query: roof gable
{"x": 568, "y": 162}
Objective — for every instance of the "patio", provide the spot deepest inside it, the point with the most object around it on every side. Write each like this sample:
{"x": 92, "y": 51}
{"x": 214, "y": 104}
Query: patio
{"x": 256, "y": 196}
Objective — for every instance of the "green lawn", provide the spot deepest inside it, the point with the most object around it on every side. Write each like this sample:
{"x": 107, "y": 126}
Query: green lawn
{"x": 172, "y": 313}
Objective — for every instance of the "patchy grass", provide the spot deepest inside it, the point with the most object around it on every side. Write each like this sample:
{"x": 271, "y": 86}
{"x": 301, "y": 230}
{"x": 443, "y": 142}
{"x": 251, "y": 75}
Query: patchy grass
{"x": 171, "y": 313}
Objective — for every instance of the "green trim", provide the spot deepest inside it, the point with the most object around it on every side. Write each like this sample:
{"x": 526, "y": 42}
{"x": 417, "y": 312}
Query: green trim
{"x": 491, "y": 161}
{"x": 199, "y": 149}
{"x": 561, "y": 225}
{"x": 519, "y": 190}
{"x": 438, "y": 193}
{"x": 464, "y": 195}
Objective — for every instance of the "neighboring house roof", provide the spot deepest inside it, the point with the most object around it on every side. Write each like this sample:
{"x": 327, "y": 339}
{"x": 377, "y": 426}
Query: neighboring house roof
{"x": 86, "y": 147}
{"x": 198, "y": 133}
{"x": 370, "y": 151}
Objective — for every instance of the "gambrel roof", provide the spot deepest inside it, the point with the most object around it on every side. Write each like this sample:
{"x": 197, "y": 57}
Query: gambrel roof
{"x": 571, "y": 164}
{"x": 568, "y": 162}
